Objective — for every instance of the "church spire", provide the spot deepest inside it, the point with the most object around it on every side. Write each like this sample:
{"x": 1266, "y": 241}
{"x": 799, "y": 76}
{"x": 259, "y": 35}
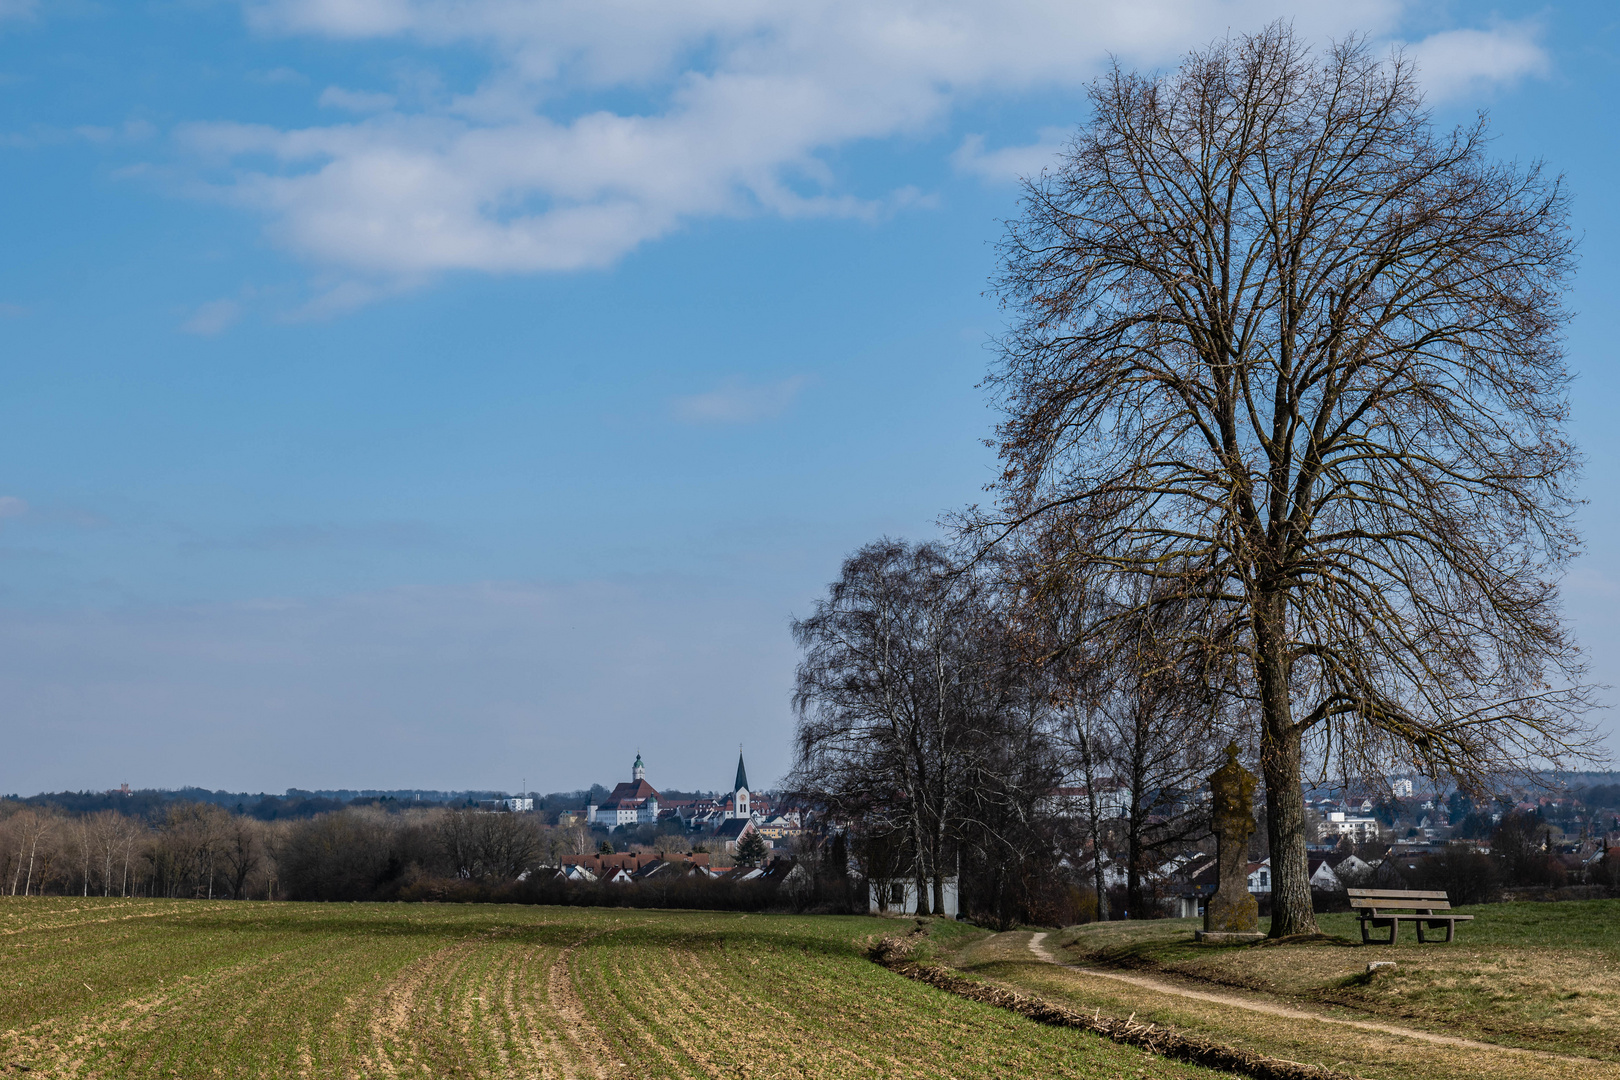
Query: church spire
{"x": 638, "y": 771}
{"x": 742, "y": 774}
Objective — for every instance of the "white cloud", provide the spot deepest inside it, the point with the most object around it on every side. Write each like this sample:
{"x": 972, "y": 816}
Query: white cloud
{"x": 735, "y": 401}
{"x": 359, "y": 101}
{"x": 737, "y": 104}
{"x": 212, "y": 318}
{"x": 1010, "y": 163}
{"x": 1454, "y": 62}
{"x": 11, "y": 506}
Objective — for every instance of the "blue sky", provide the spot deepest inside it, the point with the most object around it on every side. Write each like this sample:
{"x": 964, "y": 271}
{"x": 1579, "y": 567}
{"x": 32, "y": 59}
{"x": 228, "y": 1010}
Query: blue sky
{"x": 415, "y": 393}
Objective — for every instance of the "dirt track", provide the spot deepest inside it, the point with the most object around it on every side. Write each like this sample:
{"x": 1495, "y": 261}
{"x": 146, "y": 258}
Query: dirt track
{"x": 1037, "y": 946}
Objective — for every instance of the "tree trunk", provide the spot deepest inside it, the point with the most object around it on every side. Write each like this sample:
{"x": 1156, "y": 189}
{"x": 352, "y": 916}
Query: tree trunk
{"x": 1291, "y": 908}
{"x": 1101, "y": 876}
{"x": 938, "y": 859}
{"x": 1135, "y": 823}
{"x": 1133, "y": 874}
{"x": 922, "y": 890}
{"x": 1093, "y": 818}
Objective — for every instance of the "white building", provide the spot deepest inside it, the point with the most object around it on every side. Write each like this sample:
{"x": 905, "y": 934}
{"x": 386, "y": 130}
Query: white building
{"x": 1325, "y": 879}
{"x": 901, "y": 895}
{"x": 516, "y": 805}
{"x": 632, "y": 803}
{"x": 1338, "y": 823}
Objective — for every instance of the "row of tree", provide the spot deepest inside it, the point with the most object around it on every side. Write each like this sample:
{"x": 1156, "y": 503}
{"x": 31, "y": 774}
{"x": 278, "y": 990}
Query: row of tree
{"x": 199, "y": 850}
{"x": 946, "y": 718}
{"x": 1285, "y": 463}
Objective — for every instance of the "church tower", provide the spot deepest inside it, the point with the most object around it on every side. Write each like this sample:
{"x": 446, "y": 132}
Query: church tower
{"x": 740, "y": 788}
{"x": 638, "y": 771}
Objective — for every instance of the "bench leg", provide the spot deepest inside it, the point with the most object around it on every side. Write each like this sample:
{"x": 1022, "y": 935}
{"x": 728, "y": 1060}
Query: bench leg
{"x": 1368, "y": 939}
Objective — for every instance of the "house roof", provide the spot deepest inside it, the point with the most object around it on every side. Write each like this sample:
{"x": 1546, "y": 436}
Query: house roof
{"x": 732, "y": 829}
{"x": 622, "y": 860}
{"x": 629, "y": 791}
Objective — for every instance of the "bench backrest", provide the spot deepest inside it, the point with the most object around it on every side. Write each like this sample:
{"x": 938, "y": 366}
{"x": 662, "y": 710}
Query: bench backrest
{"x": 1428, "y": 899}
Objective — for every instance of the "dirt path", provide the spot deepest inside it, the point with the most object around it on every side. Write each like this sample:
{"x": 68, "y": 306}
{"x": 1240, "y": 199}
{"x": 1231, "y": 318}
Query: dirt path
{"x": 1037, "y": 945}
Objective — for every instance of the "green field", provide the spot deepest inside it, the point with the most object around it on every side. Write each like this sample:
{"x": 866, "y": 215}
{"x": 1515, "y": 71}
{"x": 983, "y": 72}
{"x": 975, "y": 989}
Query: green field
{"x": 1539, "y": 977}
{"x": 150, "y": 988}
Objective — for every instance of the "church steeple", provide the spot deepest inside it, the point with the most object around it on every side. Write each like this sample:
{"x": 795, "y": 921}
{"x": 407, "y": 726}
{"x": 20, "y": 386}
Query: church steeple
{"x": 740, "y": 807}
{"x": 638, "y": 771}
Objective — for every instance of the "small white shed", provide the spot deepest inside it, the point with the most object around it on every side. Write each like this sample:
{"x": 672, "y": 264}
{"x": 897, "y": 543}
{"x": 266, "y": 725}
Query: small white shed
{"x": 901, "y": 895}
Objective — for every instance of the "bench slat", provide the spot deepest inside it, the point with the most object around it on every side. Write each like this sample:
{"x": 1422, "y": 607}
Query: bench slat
{"x": 1377, "y": 908}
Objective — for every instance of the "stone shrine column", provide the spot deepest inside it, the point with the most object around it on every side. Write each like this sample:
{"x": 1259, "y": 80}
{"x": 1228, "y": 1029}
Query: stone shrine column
{"x": 1232, "y": 914}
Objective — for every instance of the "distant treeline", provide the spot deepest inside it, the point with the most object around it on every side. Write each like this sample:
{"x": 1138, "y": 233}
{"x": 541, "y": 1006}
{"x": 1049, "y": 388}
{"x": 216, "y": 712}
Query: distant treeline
{"x": 152, "y": 805}
{"x": 365, "y": 850}
{"x": 306, "y": 846}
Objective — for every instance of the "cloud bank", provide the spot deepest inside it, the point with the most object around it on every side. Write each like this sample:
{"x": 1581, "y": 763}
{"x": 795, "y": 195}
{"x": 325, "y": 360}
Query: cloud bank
{"x": 736, "y": 107}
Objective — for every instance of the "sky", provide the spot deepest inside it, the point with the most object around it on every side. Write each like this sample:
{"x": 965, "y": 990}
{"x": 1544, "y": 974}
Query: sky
{"x": 469, "y": 393}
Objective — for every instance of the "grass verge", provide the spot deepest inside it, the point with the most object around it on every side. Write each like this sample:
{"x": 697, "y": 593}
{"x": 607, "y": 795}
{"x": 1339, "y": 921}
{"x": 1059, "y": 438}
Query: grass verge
{"x": 1538, "y": 977}
{"x": 896, "y": 954}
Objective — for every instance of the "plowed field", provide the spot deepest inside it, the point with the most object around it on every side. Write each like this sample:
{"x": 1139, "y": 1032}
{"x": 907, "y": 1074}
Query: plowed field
{"x": 139, "y": 988}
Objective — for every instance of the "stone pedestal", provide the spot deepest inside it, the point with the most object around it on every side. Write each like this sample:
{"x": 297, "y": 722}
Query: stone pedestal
{"x": 1232, "y": 915}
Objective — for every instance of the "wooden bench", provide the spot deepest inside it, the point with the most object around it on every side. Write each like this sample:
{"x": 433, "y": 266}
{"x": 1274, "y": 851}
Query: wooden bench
{"x": 1391, "y": 907}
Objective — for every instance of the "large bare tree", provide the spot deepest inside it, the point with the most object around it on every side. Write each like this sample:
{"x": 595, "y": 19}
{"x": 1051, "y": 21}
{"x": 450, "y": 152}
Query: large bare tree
{"x": 889, "y": 695}
{"x": 1282, "y": 346}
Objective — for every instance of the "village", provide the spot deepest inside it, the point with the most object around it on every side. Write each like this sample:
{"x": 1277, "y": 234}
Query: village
{"x": 753, "y": 840}
{"x": 1387, "y": 833}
